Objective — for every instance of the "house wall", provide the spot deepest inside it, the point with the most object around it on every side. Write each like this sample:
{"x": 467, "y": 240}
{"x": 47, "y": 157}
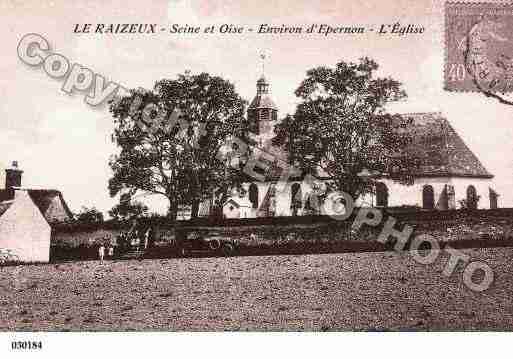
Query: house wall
{"x": 230, "y": 210}
{"x": 25, "y": 231}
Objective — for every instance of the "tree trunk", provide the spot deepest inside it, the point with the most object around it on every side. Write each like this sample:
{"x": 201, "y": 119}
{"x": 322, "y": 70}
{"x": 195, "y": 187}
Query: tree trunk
{"x": 172, "y": 217}
{"x": 172, "y": 212}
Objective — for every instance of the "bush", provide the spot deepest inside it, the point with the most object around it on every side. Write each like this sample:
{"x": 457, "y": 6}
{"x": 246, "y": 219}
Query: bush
{"x": 7, "y": 257}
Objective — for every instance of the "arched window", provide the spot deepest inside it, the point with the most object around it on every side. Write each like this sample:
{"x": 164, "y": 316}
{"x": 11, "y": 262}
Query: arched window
{"x": 253, "y": 195}
{"x": 381, "y": 194}
{"x": 443, "y": 201}
{"x": 428, "y": 197}
{"x": 296, "y": 198}
{"x": 471, "y": 197}
{"x": 311, "y": 203}
{"x": 493, "y": 199}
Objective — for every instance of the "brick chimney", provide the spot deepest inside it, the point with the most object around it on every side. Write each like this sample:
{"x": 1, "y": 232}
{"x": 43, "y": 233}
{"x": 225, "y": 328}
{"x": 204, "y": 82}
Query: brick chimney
{"x": 13, "y": 176}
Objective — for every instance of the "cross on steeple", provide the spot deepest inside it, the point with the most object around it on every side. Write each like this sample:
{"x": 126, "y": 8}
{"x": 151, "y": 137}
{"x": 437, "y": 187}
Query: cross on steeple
{"x": 262, "y": 57}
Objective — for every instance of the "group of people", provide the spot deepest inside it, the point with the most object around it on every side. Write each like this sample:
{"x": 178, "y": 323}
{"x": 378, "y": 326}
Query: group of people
{"x": 136, "y": 238}
{"x": 102, "y": 250}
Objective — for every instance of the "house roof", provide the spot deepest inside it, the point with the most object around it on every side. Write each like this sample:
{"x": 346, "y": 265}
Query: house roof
{"x": 442, "y": 151}
{"x": 240, "y": 202}
{"x": 43, "y": 199}
{"x": 4, "y": 206}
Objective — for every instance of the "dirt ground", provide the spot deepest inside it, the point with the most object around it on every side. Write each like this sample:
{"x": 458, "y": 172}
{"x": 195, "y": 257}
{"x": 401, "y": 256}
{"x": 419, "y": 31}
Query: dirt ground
{"x": 363, "y": 291}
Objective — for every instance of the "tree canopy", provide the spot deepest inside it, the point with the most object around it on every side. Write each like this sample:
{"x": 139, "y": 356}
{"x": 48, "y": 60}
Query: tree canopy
{"x": 170, "y": 137}
{"x": 89, "y": 215}
{"x": 128, "y": 208}
{"x": 341, "y": 129}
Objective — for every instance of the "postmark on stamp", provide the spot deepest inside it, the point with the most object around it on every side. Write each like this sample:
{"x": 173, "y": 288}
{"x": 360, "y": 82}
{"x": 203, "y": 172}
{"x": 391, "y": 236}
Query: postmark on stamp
{"x": 478, "y": 47}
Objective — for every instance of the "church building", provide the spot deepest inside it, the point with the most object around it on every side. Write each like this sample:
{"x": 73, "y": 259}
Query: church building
{"x": 450, "y": 176}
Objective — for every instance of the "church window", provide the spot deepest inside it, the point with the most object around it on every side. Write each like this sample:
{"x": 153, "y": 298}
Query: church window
{"x": 253, "y": 195}
{"x": 472, "y": 197}
{"x": 428, "y": 197}
{"x": 381, "y": 194}
{"x": 493, "y": 199}
{"x": 296, "y": 198}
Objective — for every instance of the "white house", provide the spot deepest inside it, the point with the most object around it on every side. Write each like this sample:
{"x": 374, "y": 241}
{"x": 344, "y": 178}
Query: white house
{"x": 25, "y": 215}
{"x": 50, "y": 202}
{"x": 238, "y": 207}
{"x": 450, "y": 173}
{"x": 24, "y": 230}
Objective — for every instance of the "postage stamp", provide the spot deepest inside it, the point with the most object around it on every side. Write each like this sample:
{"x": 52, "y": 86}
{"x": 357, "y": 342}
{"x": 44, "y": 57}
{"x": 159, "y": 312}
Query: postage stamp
{"x": 478, "y": 47}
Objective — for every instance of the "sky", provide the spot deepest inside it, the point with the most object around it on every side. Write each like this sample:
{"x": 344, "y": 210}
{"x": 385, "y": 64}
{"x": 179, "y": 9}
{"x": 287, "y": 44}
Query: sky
{"x": 65, "y": 144}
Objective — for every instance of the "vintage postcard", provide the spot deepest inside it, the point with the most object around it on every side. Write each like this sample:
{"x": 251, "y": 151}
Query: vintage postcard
{"x": 286, "y": 166}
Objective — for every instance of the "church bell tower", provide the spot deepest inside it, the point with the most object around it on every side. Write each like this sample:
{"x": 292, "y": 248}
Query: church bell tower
{"x": 262, "y": 112}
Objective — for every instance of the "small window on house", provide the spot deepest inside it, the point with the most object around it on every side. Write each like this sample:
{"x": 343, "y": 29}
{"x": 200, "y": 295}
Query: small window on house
{"x": 381, "y": 194}
{"x": 428, "y": 197}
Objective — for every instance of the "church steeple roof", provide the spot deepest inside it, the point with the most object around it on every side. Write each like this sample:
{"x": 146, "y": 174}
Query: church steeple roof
{"x": 262, "y": 99}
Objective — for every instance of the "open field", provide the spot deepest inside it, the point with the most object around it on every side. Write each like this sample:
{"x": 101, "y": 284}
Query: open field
{"x": 351, "y": 291}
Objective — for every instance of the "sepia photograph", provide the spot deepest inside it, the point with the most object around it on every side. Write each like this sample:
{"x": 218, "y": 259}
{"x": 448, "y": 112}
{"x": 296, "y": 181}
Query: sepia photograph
{"x": 186, "y": 167}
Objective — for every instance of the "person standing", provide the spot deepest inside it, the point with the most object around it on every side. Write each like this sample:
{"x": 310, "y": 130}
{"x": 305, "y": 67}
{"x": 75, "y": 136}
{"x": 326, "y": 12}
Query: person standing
{"x": 147, "y": 235}
{"x": 101, "y": 252}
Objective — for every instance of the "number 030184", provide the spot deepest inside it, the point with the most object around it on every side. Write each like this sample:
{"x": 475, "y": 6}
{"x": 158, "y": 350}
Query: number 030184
{"x": 27, "y": 345}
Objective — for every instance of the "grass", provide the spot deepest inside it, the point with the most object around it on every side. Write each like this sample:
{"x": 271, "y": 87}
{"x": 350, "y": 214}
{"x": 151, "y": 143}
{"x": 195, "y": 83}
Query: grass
{"x": 350, "y": 291}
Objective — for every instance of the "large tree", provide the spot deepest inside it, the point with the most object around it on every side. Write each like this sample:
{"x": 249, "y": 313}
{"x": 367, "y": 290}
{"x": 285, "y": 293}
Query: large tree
{"x": 128, "y": 208}
{"x": 341, "y": 129}
{"x": 170, "y": 139}
{"x": 89, "y": 215}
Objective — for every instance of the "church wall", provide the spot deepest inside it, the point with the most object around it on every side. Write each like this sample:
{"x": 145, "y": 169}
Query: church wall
{"x": 283, "y": 198}
{"x": 262, "y": 191}
{"x": 283, "y": 195}
{"x": 482, "y": 186}
{"x": 404, "y": 195}
{"x": 398, "y": 194}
